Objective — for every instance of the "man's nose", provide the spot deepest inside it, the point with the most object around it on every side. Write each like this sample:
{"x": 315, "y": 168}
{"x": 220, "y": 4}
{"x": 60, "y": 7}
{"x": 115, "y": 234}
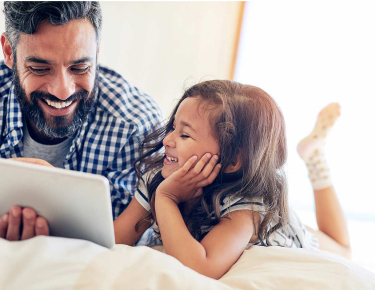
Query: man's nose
{"x": 62, "y": 86}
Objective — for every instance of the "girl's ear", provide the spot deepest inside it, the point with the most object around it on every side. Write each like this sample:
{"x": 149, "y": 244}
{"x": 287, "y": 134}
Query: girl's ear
{"x": 235, "y": 165}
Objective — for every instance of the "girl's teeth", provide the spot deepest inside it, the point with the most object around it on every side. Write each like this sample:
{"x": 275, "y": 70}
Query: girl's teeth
{"x": 170, "y": 159}
{"x": 58, "y": 105}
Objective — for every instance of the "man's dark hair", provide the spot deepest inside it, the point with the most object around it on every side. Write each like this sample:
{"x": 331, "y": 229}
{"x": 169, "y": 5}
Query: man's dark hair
{"x": 25, "y": 16}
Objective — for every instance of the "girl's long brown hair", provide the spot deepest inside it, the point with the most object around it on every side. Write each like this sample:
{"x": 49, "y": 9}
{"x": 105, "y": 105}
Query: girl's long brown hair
{"x": 250, "y": 129}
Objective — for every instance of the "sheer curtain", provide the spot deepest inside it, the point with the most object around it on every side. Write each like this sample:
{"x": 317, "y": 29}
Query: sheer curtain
{"x": 307, "y": 55}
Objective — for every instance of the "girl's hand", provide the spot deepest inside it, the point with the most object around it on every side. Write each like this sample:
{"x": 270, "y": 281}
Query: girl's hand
{"x": 187, "y": 182}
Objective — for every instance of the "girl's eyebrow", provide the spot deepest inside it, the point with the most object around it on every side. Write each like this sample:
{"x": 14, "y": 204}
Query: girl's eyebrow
{"x": 184, "y": 123}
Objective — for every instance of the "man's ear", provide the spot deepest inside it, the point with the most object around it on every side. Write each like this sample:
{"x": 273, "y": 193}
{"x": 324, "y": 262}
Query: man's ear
{"x": 7, "y": 51}
{"x": 98, "y": 53}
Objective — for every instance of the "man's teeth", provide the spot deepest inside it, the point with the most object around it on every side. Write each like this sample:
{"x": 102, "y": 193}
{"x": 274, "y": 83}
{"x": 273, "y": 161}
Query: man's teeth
{"x": 58, "y": 105}
{"x": 171, "y": 159}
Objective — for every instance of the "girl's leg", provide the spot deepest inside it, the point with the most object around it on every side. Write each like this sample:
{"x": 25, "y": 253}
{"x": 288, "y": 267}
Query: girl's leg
{"x": 333, "y": 233}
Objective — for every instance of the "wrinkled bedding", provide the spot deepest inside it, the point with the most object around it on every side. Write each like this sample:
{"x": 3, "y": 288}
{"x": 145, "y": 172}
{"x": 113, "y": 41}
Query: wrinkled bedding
{"x": 60, "y": 263}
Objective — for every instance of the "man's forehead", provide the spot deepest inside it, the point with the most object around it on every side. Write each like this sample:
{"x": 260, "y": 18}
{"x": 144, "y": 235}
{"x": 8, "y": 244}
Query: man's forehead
{"x": 72, "y": 41}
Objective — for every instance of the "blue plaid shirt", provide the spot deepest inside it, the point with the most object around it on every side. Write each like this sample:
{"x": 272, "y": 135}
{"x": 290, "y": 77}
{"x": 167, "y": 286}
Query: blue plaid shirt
{"x": 106, "y": 144}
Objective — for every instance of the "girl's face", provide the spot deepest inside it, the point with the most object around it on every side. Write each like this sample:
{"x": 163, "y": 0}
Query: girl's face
{"x": 191, "y": 135}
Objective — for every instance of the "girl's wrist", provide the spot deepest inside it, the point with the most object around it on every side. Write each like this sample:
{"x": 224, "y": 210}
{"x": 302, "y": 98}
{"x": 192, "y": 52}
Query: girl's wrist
{"x": 165, "y": 195}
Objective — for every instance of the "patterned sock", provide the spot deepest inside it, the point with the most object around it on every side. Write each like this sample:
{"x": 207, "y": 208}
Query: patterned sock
{"x": 311, "y": 149}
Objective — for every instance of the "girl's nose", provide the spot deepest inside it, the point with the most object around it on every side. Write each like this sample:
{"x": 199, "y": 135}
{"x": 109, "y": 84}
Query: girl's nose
{"x": 169, "y": 140}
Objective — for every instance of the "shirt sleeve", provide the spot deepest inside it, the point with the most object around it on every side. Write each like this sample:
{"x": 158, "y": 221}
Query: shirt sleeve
{"x": 231, "y": 204}
{"x": 141, "y": 194}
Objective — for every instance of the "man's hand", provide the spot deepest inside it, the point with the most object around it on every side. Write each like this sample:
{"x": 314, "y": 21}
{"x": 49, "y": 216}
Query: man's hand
{"x": 187, "y": 182}
{"x": 32, "y": 161}
{"x": 22, "y": 224}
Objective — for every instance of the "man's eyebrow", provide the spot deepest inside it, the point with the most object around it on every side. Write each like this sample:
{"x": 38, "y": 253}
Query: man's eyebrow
{"x": 183, "y": 123}
{"x": 37, "y": 60}
{"x": 82, "y": 60}
{"x": 44, "y": 61}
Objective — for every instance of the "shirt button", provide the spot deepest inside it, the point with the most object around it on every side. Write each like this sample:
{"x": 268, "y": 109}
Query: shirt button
{"x": 14, "y": 133}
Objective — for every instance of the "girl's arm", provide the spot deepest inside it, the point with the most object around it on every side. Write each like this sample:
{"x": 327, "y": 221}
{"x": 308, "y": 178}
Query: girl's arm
{"x": 223, "y": 245}
{"x": 125, "y": 232}
{"x": 219, "y": 249}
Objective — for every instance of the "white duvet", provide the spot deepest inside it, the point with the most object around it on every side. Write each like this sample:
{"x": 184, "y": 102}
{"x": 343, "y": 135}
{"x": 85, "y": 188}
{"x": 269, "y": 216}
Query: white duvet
{"x": 59, "y": 263}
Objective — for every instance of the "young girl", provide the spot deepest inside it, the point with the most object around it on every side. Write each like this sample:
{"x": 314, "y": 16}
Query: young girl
{"x": 212, "y": 180}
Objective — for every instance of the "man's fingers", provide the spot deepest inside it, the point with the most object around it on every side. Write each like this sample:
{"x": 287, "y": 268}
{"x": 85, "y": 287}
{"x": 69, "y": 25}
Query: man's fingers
{"x": 29, "y": 219}
{"x": 4, "y": 225}
{"x": 41, "y": 228}
{"x": 15, "y": 216}
{"x": 211, "y": 177}
{"x": 32, "y": 161}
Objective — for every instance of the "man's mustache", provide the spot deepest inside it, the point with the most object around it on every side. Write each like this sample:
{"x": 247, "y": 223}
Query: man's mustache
{"x": 80, "y": 95}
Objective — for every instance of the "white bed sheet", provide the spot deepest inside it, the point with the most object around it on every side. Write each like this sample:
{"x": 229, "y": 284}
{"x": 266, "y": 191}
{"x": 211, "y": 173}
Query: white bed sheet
{"x": 59, "y": 263}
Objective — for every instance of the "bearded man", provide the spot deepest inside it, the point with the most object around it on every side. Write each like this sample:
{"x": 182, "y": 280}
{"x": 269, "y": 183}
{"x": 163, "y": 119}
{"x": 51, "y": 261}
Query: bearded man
{"x": 59, "y": 105}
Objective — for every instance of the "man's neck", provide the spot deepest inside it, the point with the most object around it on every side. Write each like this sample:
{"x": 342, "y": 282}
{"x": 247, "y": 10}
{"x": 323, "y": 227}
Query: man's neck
{"x": 41, "y": 138}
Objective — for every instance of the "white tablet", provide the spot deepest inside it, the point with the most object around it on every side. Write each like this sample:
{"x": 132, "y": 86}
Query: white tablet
{"x": 75, "y": 204}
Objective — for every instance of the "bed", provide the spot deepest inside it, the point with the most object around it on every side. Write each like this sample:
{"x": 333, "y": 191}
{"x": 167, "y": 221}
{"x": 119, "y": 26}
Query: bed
{"x": 60, "y": 263}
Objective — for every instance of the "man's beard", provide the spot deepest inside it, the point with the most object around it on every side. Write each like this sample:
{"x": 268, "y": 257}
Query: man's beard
{"x": 56, "y": 126}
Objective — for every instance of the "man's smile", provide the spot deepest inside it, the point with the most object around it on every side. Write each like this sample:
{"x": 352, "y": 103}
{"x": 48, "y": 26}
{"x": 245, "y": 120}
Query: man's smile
{"x": 58, "y": 108}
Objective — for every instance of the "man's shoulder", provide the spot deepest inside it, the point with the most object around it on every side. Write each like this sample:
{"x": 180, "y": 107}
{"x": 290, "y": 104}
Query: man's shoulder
{"x": 5, "y": 78}
{"x": 5, "y": 71}
{"x": 125, "y": 101}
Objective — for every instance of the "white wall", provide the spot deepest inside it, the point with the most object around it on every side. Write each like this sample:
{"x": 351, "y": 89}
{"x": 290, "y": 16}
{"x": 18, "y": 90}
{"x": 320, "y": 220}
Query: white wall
{"x": 163, "y": 47}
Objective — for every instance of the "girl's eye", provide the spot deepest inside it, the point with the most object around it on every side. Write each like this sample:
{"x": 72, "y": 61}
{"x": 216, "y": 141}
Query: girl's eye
{"x": 184, "y": 136}
{"x": 39, "y": 70}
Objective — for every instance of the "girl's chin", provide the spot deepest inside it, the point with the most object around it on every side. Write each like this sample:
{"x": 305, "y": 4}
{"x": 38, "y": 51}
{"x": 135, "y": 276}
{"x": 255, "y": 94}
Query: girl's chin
{"x": 167, "y": 172}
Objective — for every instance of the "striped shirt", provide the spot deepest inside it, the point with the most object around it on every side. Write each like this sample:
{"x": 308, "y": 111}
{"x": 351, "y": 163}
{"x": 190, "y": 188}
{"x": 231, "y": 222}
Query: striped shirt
{"x": 294, "y": 235}
{"x": 107, "y": 142}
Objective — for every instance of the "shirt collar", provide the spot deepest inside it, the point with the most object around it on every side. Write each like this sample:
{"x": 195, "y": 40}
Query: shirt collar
{"x": 14, "y": 123}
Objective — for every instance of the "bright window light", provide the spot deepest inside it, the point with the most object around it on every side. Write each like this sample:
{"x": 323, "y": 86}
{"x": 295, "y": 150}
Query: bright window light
{"x": 307, "y": 55}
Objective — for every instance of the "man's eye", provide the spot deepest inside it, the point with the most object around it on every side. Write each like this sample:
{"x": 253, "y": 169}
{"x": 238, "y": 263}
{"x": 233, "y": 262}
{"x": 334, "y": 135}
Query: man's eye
{"x": 79, "y": 70}
{"x": 39, "y": 71}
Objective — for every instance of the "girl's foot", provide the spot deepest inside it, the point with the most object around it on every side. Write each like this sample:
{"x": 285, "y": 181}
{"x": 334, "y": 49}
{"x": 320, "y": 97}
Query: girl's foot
{"x": 311, "y": 148}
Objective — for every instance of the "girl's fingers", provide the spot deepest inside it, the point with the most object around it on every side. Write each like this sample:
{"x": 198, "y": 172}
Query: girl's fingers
{"x": 200, "y": 165}
{"x": 185, "y": 169}
{"x": 207, "y": 170}
{"x": 211, "y": 177}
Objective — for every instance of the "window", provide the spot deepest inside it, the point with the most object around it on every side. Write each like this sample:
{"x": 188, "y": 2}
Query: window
{"x": 307, "y": 55}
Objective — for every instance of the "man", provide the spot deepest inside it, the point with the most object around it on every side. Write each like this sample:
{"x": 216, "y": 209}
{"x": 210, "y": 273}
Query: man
{"x": 59, "y": 105}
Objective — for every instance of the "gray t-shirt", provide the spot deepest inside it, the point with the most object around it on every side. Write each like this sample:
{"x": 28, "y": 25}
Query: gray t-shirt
{"x": 54, "y": 154}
